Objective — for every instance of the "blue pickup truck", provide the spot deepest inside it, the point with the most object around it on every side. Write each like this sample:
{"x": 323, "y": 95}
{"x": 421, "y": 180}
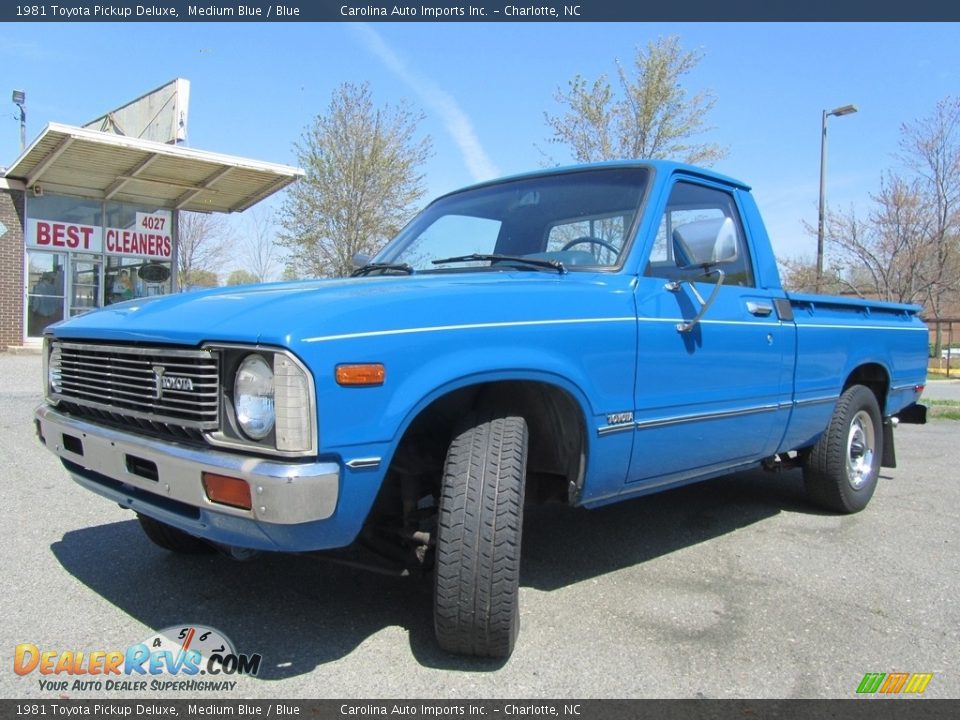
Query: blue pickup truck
{"x": 584, "y": 335}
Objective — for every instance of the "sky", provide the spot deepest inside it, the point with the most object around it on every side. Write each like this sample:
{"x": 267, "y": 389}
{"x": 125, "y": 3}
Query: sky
{"x": 484, "y": 88}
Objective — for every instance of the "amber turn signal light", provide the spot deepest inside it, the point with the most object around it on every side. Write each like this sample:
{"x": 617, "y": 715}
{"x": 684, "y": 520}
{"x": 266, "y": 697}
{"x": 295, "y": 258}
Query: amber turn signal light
{"x": 360, "y": 375}
{"x": 227, "y": 490}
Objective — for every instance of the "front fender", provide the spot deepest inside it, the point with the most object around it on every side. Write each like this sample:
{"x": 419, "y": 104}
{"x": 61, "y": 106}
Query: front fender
{"x": 595, "y": 364}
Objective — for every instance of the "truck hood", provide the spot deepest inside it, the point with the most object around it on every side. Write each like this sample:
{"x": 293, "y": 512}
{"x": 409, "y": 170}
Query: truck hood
{"x": 289, "y": 313}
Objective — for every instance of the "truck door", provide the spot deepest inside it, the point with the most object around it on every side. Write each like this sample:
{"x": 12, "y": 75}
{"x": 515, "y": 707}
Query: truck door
{"x": 712, "y": 382}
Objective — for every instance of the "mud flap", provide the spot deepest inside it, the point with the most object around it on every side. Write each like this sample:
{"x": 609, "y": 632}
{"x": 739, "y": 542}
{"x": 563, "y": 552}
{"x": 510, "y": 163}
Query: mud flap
{"x": 889, "y": 459}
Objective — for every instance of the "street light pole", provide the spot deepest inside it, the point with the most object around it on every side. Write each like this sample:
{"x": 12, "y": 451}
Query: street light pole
{"x": 845, "y": 110}
{"x": 20, "y": 100}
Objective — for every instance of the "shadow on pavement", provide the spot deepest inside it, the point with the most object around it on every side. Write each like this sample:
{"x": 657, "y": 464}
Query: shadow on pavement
{"x": 302, "y": 611}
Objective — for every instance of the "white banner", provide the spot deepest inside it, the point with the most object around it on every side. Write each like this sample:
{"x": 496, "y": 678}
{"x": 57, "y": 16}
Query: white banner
{"x": 150, "y": 236}
{"x": 53, "y": 235}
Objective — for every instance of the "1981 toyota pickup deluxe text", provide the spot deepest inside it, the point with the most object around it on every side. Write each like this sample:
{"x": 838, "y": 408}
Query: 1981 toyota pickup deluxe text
{"x": 586, "y": 335}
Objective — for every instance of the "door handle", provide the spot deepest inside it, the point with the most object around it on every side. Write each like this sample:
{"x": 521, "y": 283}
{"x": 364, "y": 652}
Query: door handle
{"x": 759, "y": 309}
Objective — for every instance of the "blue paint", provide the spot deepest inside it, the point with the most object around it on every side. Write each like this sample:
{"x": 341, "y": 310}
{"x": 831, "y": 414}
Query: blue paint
{"x": 737, "y": 388}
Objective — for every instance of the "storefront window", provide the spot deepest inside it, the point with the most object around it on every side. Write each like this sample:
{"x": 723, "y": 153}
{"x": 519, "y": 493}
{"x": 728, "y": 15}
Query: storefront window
{"x": 136, "y": 277}
{"x": 85, "y": 254}
{"x": 138, "y": 242}
{"x": 78, "y": 211}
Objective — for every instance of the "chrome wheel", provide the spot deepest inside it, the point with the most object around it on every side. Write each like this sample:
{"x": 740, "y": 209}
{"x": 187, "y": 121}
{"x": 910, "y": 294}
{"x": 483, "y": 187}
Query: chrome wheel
{"x": 842, "y": 468}
{"x": 861, "y": 450}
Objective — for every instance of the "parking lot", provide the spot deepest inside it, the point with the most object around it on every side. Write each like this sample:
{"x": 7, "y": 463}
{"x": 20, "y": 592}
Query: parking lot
{"x": 732, "y": 588}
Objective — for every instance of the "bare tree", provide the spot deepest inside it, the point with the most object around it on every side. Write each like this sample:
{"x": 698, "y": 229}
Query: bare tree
{"x": 649, "y": 114}
{"x": 201, "y": 247}
{"x": 258, "y": 246}
{"x": 930, "y": 147}
{"x": 883, "y": 254}
{"x": 363, "y": 166}
{"x": 907, "y": 248}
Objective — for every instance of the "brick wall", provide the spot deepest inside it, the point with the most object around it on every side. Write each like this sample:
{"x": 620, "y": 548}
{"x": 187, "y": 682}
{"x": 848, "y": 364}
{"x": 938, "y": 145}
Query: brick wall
{"x": 11, "y": 269}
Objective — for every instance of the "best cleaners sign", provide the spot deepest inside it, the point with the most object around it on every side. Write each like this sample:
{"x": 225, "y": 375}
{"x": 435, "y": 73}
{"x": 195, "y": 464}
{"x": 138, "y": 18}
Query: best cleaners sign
{"x": 52, "y": 235}
{"x": 149, "y": 237}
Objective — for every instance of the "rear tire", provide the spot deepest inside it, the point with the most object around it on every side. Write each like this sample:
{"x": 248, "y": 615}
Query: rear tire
{"x": 477, "y": 573}
{"x": 841, "y": 471}
{"x": 172, "y": 539}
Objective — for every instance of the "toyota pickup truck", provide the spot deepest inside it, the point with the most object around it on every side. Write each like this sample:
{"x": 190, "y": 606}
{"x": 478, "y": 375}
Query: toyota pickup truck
{"x": 584, "y": 335}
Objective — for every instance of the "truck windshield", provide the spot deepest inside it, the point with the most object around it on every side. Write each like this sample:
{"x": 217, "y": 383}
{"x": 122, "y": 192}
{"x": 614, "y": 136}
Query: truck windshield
{"x": 578, "y": 219}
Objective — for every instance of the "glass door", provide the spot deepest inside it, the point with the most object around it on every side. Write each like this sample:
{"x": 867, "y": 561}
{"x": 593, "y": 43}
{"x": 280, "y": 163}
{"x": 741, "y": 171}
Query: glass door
{"x": 85, "y": 282}
{"x": 45, "y": 291}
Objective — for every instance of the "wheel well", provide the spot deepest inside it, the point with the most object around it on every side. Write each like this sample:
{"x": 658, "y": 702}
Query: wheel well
{"x": 556, "y": 459}
{"x": 557, "y": 455}
{"x": 401, "y": 525}
{"x": 873, "y": 376}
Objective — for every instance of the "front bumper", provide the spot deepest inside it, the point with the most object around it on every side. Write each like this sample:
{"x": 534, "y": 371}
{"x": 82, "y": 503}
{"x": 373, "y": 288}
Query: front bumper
{"x": 163, "y": 479}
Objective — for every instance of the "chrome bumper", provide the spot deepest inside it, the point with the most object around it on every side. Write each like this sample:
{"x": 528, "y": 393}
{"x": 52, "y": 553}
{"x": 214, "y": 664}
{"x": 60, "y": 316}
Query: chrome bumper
{"x": 283, "y": 493}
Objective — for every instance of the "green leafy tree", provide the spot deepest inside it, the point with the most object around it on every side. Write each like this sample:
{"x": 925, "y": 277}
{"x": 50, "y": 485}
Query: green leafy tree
{"x": 648, "y": 113}
{"x": 242, "y": 277}
{"x": 290, "y": 273}
{"x": 197, "y": 279}
{"x": 799, "y": 274}
{"x": 363, "y": 177}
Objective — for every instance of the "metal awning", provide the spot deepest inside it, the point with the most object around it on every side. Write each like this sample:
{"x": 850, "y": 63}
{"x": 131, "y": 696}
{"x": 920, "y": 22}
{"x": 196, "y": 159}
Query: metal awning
{"x": 77, "y": 161}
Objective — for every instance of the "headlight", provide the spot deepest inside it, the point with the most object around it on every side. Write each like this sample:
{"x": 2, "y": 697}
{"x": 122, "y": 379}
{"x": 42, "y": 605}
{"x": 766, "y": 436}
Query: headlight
{"x": 54, "y": 376}
{"x": 272, "y": 409}
{"x": 294, "y": 424}
{"x": 253, "y": 397}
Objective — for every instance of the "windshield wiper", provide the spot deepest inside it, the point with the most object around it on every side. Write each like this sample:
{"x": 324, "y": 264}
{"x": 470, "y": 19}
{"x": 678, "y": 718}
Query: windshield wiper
{"x": 383, "y": 268}
{"x": 495, "y": 257}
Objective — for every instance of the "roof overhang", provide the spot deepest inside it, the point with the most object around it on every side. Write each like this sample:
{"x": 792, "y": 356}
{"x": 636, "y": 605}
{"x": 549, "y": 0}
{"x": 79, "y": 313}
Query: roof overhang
{"x": 88, "y": 163}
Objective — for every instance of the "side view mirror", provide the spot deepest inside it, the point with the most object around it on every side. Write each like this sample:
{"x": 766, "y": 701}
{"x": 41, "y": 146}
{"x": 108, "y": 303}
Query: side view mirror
{"x": 359, "y": 260}
{"x": 703, "y": 244}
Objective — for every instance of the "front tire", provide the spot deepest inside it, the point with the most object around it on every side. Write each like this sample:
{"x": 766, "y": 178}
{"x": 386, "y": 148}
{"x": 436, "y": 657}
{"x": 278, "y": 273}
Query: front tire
{"x": 841, "y": 471}
{"x": 477, "y": 572}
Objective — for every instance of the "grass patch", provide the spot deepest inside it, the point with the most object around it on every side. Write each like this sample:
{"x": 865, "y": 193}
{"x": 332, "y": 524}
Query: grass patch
{"x": 943, "y": 409}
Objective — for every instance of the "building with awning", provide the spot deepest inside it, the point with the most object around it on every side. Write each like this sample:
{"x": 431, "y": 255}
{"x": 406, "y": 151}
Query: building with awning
{"x": 88, "y": 218}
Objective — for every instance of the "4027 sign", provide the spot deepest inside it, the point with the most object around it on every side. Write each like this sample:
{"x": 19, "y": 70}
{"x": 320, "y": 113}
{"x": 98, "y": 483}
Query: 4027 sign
{"x": 150, "y": 236}
{"x": 183, "y": 657}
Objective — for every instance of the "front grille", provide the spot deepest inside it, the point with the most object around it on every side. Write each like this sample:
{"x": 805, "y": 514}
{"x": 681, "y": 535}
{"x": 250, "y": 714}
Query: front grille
{"x": 129, "y": 423}
{"x": 172, "y": 391}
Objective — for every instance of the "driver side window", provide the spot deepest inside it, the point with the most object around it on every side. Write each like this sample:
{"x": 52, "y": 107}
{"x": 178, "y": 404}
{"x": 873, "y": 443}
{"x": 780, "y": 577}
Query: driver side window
{"x": 701, "y": 226}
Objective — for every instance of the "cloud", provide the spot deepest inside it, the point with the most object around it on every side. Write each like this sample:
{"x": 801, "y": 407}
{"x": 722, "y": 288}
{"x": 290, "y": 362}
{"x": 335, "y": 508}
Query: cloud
{"x": 23, "y": 50}
{"x": 455, "y": 120}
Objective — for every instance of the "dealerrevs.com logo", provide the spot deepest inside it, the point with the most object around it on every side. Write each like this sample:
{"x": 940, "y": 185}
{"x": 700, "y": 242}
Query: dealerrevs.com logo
{"x": 191, "y": 658}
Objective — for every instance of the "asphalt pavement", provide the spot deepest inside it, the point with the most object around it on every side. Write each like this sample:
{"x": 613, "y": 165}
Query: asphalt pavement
{"x": 732, "y": 588}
